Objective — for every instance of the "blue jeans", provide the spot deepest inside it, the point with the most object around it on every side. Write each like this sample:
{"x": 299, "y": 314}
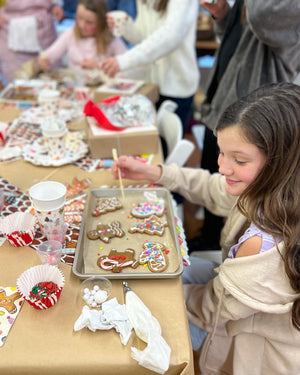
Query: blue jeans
{"x": 199, "y": 272}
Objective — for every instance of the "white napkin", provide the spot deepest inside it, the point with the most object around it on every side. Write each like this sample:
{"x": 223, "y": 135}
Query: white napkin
{"x": 112, "y": 315}
{"x": 22, "y": 35}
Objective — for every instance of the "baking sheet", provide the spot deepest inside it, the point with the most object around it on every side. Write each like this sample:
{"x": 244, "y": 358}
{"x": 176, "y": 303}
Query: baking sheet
{"x": 88, "y": 251}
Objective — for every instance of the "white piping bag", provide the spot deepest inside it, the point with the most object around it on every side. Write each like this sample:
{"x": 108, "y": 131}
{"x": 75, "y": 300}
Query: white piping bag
{"x": 156, "y": 356}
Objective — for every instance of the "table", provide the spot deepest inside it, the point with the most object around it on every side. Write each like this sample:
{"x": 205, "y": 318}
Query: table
{"x": 43, "y": 342}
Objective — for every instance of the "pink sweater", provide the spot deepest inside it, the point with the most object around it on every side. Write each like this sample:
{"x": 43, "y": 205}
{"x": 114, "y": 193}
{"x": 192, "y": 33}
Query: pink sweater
{"x": 80, "y": 49}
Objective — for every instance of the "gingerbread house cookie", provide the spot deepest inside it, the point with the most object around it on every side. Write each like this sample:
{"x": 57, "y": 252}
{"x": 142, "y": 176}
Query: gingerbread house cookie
{"x": 105, "y": 232}
{"x": 152, "y": 225}
{"x": 105, "y": 205}
{"x": 117, "y": 260}
{"x": 154, "y": 256}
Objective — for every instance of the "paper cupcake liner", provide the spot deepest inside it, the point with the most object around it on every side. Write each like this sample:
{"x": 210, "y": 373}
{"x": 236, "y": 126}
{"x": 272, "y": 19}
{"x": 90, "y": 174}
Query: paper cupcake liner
{"x": 19, "y": 228}
{"x": 34, "y": 275}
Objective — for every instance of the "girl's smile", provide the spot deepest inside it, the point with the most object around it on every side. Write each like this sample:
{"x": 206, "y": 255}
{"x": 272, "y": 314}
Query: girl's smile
{"x": 239, "y": 161}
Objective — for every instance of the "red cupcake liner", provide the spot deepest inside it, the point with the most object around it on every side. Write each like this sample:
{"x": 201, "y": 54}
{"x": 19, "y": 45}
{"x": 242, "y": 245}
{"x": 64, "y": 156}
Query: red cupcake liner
{"x": 34, "y": 275}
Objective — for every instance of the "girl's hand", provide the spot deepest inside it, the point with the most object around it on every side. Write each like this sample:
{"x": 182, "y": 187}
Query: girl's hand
{"x": 110, "y": 66}
{"x": 218, "y": 10}
{"x": 1, "y": 21}
{"x": 58, "y": 13}
{"x": 90, "y": 64}
{"x": 135, "y": 170}
{"x": 44, "y": 62}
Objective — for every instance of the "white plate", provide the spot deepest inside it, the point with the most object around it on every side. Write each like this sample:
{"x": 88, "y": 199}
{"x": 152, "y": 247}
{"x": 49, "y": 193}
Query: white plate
{"x": 36, "y": 152}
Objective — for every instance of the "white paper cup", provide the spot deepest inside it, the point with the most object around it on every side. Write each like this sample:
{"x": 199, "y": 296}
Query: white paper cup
{"x": 48, "y": 195}
{"x": 82, "y": 93}
{"x": 120, "y": 18}
{"x": 49, "y": 101}
{"x": 54, "y": 131}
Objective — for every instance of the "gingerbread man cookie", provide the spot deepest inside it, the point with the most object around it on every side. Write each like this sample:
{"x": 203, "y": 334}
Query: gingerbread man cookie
{"x": 8, "y": 302}
{"x": 152, "y": 225}
{"x": 155, "y": 257}
{"x": 147, "y": 209}
{"x": 106, "y": 231}
{"x": 117, "y": 260}
{"x": 105, "y": 205}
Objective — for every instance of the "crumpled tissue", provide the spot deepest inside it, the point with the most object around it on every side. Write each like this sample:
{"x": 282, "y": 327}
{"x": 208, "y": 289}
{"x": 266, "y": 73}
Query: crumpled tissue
{"x": 156, "y": 356}
{"x": 112, "y": 315}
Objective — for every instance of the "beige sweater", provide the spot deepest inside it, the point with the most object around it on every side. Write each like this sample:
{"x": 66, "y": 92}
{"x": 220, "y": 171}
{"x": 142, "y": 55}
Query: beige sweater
{"x": 247, "y": 308}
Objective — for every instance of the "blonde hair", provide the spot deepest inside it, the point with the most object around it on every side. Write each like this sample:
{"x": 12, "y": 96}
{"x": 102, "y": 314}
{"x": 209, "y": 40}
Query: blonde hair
{"x": 103, "y": 35}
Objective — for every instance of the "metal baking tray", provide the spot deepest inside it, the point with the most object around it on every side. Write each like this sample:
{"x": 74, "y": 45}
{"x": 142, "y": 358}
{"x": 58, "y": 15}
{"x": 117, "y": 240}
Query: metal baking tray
{"x": 88, "y": 251}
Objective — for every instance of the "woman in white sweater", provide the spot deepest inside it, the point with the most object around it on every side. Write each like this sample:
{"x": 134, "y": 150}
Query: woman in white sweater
{"x": 164, "y": 34}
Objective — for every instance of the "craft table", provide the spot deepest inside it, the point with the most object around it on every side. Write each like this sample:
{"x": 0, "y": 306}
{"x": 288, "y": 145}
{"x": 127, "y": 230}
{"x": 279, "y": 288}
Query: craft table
{"x": 43, "y": 341}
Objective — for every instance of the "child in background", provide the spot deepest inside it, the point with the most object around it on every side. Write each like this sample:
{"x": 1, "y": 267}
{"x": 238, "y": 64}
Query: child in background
{"x": 87, "y": 43}
{"x": 164, "y": 37}
{"x": 26, "y": 27}
{"x": 246, "y": 317}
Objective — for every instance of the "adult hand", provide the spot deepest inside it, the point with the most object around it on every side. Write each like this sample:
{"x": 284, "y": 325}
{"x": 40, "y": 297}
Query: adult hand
{"x": 110, "y": 66}
{"x": 218, "y": 10}
{"x": 58, "y": 13}
{"x": 44, "y": 62}
{"x": 135, "y": 170}
{"x": 90, "y": 64}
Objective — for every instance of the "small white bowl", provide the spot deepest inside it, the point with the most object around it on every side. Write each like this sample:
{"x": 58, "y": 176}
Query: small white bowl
{"x": 95, "y": 290}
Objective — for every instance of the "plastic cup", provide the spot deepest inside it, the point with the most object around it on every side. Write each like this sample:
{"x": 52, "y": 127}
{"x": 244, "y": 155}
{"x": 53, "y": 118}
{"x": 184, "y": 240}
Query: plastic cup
{"x": 49, "y": 101}
{"x": 50, "y": 252}
{"x": 120, "y": 18}
{"x": 54, "y": 131}
{"x": 56, "y": 231}
{"x": 48, "y": 199}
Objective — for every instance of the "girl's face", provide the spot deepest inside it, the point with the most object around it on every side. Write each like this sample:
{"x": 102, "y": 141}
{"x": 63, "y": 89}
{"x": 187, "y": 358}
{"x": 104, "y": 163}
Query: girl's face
{"x": 86, "y": 21}
{"x": 239, "y": 161}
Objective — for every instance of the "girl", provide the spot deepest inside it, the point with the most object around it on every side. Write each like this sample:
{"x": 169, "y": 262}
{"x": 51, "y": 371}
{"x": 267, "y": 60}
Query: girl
{"x": 164, "y": 34}
{"x": 87, "y": 43}
{"x": 251, "y": 308}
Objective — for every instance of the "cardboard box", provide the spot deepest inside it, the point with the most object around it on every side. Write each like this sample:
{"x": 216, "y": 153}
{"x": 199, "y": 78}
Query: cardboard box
{"x": 131, "y": 141}
{"x": 150, "y": 90}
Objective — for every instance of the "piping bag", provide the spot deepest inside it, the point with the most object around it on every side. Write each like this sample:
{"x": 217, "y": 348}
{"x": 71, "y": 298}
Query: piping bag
{"x": 156, "y": 356}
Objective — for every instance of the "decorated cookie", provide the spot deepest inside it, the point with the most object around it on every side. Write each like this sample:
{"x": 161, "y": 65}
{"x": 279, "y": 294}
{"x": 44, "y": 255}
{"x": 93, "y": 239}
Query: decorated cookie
{"x": 105, "y": 205}
{"x": 155, "y": 257}
{"x": 117, "y": 260}
{"x": 105, "y": 232}
{"x": 152, "y": 225}
{"x": 147, "y": 209}
{"x": 8, "y": 302}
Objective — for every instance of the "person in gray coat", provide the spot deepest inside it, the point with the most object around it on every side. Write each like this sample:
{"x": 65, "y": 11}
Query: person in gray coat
{"x": 260, "y": 44}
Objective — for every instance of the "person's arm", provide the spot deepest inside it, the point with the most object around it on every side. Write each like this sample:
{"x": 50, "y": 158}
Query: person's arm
{"x": 58, "y": 49}
{"x": 195, "y": 184}
{"x": 135, "y": 170}
{"x": 164, "y": 40}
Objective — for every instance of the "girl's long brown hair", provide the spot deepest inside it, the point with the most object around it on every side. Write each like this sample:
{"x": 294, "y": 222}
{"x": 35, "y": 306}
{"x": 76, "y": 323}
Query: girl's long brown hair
{"x": 103, "y": 35}
{"x": 270, "y": 119}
